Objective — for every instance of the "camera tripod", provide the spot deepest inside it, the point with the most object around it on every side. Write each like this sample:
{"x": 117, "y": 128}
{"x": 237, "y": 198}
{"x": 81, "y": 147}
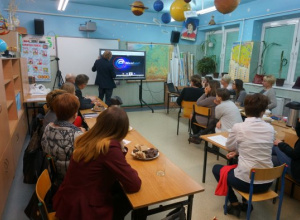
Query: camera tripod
{"x": 58, "y": 75}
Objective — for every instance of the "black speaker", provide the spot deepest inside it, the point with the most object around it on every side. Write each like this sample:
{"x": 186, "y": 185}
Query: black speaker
{"x": 175, "y": 37}
{"x": 39, "y": 26}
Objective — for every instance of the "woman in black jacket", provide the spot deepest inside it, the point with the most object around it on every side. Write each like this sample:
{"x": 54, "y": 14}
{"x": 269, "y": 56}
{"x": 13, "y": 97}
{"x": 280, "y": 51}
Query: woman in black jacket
{"x": 283, "y": 153}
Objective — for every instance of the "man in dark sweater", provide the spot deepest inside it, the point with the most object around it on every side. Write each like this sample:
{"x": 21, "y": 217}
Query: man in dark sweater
{"x": 193, "y": 92}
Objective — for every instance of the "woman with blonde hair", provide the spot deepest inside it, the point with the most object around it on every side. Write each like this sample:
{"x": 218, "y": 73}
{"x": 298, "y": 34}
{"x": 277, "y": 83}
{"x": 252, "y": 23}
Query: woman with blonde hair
{"x": 97, "y": 165}
{"x": 269, "y": 91}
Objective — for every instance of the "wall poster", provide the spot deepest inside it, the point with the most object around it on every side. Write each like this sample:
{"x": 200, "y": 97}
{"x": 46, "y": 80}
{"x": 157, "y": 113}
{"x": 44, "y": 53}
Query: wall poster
{"x": 38, "y": 60}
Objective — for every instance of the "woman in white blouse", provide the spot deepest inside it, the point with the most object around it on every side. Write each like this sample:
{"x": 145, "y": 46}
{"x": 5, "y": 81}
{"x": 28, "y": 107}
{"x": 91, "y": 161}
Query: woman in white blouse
{"x": 252, "y": 140}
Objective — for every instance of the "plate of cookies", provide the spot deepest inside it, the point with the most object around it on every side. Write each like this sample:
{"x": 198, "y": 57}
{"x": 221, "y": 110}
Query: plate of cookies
{"x": 142, "y": 152}
{"x": 98, "y": 108}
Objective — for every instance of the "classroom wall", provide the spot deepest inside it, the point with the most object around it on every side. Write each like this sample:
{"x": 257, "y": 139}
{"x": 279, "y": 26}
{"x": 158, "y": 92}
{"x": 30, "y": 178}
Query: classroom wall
{"x": 123, "y": 25}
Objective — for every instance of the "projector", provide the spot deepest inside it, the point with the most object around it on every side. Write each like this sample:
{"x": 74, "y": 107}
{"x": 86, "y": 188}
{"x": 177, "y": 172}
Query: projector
{"x": 88, "y": 26}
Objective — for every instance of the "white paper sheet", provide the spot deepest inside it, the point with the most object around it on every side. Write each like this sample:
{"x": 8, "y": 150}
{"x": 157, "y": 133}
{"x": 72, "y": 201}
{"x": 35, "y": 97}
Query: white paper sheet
{"x": 126, "y": 142}
{"x": 36, "y": 99}
{"x": 220, "y": 139}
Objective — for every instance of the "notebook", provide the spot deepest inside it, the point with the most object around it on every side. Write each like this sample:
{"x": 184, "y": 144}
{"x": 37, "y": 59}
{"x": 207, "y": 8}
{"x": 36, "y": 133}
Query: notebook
{"x": 173, "y": 89}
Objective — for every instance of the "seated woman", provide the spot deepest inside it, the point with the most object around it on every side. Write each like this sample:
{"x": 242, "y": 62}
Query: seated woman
{"x": 240, "y": 92}
{"x": 58, "y": 137}
{"x": 50, "y": 115}
{"x": 269, "y": 91}
{"x": 193, "y": 92}
{"x": 226, "y": 111}
{"x": 252, "y": 140}
{"x": 206, "y": 100}
{"x": 98, "y": 162}
{"x": 69, "y": 87}
{"x": 283, "y": 153}
{"x": 226, "y": 82}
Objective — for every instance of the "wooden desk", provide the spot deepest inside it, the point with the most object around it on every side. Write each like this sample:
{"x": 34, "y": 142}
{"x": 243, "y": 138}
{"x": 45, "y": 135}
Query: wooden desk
{"x": 32, "y": 99}
{"x": 207, "y": 140}
{"x": 156, "y": 189}
{"x": 290, "y": 138}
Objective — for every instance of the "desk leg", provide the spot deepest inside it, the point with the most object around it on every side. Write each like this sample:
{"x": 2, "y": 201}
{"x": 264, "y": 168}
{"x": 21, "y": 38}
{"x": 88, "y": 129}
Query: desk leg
{"x": 168, "y": 103}
{"x": 139, "y": 214}
{"x": 204, "y": 162}
{"x": 190, "y": 207}
{"x": 26, "y": 106}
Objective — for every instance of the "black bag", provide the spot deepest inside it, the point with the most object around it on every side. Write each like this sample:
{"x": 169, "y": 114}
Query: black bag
{"x": 34, "y": 160}
{"x": 176, "y": 214}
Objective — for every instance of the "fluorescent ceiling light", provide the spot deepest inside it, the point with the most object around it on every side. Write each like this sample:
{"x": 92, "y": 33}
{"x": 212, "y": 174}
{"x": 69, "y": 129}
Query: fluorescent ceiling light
{"x": 62, "y": 5}
{"x": 206, "y": 10}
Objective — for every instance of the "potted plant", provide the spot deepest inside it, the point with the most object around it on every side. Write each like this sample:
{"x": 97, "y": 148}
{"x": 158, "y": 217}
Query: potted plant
{"x": 283, "y": 62}
{"x": 206, "y": 65}
{"x": 209, "y": 42}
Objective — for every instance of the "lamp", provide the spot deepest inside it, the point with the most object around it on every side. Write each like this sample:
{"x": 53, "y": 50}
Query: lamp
{"x": 62, "y": 5}
{"x": 207, "y": 10}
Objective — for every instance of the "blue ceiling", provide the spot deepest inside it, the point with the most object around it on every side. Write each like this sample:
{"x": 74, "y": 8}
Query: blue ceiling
{"x": 125, "y": 4}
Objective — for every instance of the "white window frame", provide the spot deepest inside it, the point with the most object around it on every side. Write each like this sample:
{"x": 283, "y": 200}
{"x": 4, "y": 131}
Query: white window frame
{"x": 294, "y": 51}
{"x": 224, "y": 33}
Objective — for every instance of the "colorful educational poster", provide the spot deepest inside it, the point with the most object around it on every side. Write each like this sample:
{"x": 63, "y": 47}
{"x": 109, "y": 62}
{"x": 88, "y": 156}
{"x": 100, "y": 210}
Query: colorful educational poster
{"x": 241, "y": 54}
{"x": 38, "y": 60}
{"x": 158, "y": 57}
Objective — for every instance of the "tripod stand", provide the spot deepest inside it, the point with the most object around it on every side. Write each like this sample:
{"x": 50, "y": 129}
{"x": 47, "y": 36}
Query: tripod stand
{"x": 141, "y": 96}
{"x": 58, "y": 75}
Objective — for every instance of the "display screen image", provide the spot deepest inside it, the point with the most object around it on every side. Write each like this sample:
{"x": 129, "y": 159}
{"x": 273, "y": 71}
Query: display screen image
{"x": 128, "y": 65}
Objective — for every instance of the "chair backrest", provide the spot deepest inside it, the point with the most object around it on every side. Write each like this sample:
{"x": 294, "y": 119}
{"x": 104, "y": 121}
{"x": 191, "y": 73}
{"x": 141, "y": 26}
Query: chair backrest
{"x": 187, "y": 107}
{"x": 42, "y": 187}
{"x": 267, "y": 173}
{"x": 51, "y": 168}
{"x": 200, "y": 110}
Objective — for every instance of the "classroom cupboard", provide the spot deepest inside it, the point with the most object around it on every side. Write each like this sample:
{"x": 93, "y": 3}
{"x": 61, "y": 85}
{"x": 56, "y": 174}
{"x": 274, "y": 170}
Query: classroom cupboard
{"x": 13, "y": 126}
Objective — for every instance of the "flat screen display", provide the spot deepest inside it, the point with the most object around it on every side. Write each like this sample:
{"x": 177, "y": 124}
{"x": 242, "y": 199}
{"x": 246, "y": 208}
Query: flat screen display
{"x": 128, "y": 65}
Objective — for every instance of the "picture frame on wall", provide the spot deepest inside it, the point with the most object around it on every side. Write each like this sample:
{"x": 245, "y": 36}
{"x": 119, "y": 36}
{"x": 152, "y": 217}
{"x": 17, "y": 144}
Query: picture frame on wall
{"x": 189, "y": 30}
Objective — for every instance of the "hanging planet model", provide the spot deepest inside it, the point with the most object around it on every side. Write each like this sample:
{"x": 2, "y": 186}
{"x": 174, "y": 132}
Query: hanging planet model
{"x": 226, "y": 6}
{"x": 138, "y": 8}
{"x": 178, "y": 8}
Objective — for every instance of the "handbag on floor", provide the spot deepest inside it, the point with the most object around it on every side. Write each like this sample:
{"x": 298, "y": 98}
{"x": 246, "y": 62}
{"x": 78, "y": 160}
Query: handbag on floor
{"x": 176, "y": 214}
{"x": 34, "y": 160}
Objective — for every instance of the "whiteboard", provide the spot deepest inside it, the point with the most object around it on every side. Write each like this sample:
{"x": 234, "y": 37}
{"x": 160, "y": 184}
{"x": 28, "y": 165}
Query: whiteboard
{"x": 78, "y": 55}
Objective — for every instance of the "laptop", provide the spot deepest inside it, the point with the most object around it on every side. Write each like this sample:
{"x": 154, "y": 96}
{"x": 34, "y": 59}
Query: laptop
{"x": 173, "y": 89}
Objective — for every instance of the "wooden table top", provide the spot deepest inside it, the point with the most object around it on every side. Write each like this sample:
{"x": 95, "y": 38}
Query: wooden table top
{"x": 34, "y": 98}
{"x": 289, "y": 136}
{"x": 155, "y": 189}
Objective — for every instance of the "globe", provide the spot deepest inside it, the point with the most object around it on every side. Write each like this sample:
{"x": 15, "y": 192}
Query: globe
{"x": 166, "y": 18}
{"x": 226, "y": 6}
{"x": 138, "y": 8}
{"x": 178, "y": 8}
{"x": 158, "y": 5}
{"x": 3, "y": 45}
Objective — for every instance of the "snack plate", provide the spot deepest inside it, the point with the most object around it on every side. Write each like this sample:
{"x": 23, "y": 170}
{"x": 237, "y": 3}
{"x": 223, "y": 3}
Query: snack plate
{"x": 100, "y": 110}
{"x": 132, "y": 154}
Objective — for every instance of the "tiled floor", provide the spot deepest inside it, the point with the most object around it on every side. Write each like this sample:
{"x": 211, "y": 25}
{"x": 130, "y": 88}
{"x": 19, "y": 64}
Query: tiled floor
{"x": 160, "y": 129}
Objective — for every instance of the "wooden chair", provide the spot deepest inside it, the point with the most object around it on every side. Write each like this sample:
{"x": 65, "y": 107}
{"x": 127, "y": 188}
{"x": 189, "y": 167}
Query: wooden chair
{"x": 187, "y": 108}
{"x": 42, "y": 187}
{"x": 201, "y": 111}
{"x": 263, "y": 174}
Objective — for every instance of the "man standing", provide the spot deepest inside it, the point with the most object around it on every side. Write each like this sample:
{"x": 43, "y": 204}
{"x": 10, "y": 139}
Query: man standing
{"x": 105, "y": 76}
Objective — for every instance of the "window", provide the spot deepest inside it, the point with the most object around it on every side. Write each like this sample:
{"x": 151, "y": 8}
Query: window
{"x": 280, "y": 38}
{"x": 221, "y": 47}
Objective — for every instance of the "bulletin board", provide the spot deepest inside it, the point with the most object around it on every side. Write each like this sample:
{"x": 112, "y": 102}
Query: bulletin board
{"x": 158, "y": 58}
{"x": 78, "y": 55}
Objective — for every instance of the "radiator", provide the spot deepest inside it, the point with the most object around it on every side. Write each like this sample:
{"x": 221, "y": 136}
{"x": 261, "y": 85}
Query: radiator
{"x": 279, "y": 108}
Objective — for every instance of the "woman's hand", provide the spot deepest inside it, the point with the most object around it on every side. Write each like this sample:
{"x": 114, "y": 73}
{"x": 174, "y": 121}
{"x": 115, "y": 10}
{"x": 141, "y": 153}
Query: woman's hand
{"x": 276, "y": 142}
{"x": 217, "y": 101}
{"x": 231, "y": 155}
{"x": 218, "y": 125}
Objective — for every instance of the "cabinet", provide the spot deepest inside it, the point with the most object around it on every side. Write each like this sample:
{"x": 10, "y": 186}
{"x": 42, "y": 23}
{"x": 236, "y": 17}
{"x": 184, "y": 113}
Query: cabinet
{"x": 13, "y": 126}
